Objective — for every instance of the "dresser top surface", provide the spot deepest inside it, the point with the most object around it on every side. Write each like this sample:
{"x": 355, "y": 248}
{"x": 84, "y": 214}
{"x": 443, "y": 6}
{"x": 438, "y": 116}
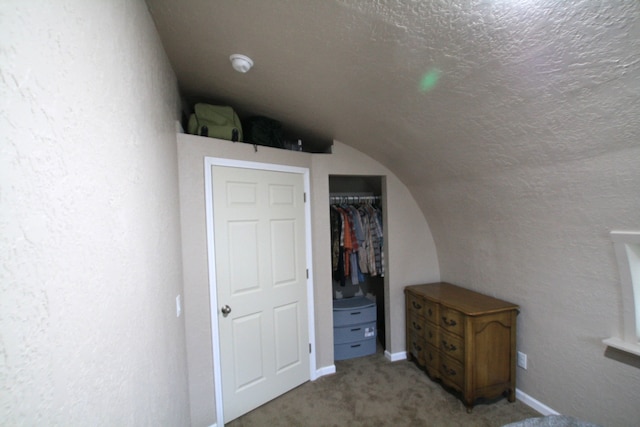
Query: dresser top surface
{"x": 464, "y": 300}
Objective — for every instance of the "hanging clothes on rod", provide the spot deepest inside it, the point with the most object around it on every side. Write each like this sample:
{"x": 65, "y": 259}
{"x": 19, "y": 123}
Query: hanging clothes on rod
{"x": 356, "y": 238}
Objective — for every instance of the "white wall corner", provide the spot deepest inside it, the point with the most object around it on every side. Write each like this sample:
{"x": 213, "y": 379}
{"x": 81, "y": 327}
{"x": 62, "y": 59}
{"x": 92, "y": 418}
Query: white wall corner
{"x": 326, "y": 370}
{"x": 395, "y": 357}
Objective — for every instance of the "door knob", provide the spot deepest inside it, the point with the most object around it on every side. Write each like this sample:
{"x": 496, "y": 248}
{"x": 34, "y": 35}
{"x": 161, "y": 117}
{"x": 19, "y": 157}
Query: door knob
{"x": 225, "y": 310}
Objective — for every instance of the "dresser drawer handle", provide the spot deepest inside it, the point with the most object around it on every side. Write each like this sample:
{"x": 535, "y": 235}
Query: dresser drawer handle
{"x": 449, "y": 322}
{"x": 448, "y": 370}
{"x": 449, "y": 347}
{"x": 355, "y": 345}
{"x": 416, "y": 305}
{"x": 417, "y": 347}
{"x": 416, "y": 326}
{"x": 355, "y": 313}
{"x": 355, "y": 329}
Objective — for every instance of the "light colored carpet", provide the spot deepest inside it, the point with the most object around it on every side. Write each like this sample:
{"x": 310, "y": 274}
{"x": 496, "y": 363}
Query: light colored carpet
{"x": 371, "y": 391}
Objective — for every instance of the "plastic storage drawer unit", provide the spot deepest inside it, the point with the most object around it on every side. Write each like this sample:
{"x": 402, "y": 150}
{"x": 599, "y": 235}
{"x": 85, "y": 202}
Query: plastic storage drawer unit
{"x": 354, "y": 328}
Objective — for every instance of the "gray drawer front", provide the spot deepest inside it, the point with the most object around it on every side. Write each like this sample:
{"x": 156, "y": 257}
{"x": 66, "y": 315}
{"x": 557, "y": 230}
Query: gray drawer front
{"x": 354, "y": 349}
{"x": 349, "y": 334}
{"x": 354, "y": 316}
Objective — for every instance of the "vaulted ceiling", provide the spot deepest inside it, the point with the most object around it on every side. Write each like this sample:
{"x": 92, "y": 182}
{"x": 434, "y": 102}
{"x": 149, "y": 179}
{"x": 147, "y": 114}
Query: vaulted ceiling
{"x": 434, "y": 90}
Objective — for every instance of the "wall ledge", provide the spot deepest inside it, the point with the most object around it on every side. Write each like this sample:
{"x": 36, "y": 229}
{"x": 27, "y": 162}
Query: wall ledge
{"x": 622, "y": 345}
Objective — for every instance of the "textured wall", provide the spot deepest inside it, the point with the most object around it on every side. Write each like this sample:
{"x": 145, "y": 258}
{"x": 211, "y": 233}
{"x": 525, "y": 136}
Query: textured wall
{"x": 539, "y": 237}
{"x": 524, "y": 203}
{"x": 89, "y": 226}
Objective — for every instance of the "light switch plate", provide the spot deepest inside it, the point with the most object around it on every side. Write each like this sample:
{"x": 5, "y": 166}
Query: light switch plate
{"x": 522, "y": 360}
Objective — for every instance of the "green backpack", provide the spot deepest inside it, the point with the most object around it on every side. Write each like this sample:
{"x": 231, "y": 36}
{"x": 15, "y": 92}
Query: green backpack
{"x": 215, "y": 121}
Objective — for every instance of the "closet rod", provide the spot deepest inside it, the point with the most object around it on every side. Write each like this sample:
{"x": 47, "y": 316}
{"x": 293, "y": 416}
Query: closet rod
{"x": 353, "y": 199}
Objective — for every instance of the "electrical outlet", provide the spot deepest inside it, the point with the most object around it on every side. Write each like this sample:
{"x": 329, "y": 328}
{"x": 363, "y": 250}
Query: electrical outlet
{"x": 178, "y": 306}
{"x": 522, "y": 360}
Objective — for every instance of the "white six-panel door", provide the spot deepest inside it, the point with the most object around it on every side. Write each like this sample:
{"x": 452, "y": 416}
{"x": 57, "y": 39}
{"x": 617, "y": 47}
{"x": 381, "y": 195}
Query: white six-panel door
{"x": 260, "y": 273}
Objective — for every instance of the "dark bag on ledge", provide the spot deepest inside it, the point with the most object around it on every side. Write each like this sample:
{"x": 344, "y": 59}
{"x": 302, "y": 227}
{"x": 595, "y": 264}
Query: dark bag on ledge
{"x": 264, "y": 131}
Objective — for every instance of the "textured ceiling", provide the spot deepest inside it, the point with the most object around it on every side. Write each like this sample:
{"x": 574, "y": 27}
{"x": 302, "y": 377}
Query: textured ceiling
{"x": 434, "y": 90}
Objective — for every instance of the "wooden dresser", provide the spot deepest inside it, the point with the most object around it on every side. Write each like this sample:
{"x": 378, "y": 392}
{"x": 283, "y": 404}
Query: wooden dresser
{"x": 464, "y": 339}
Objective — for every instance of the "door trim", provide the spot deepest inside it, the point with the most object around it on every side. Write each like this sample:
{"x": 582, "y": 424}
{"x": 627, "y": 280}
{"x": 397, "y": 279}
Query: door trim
{"x": 209, "y": 162}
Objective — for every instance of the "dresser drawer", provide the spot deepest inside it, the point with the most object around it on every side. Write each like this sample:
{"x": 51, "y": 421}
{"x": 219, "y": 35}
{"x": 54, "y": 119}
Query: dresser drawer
{"x": 417, "y": 348}
{"x": 452, "y": 321}
{"x": 354, "y": 349}
{"x": 431, "y": 311}
{"x": 431, "y": 333}
{"x": 452, "y": 372}
{"x": 452, "y": 346}
{"x": 416, "y": 304}
{"x": 432, "y": 360}
{"x": 354, "y": 316}
{"x": 353, "y": 333}
{"x": 416, "y": 325}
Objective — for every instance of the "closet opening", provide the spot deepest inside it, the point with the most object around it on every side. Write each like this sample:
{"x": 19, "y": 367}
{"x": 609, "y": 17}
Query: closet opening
{"x": 358, "y": 264}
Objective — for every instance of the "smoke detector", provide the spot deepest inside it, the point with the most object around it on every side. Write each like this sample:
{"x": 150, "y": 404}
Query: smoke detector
{"x": 241, "y": 63}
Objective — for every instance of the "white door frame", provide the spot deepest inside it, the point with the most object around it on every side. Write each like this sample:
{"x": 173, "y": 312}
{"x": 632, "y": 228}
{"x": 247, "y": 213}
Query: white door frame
{"x": 217, "y": 161}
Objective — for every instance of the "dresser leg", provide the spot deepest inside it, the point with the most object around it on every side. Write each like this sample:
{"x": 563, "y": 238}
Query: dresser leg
{"x": 512, "y": 395}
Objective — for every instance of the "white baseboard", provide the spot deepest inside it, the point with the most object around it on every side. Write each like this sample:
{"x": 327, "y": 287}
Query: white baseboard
{"x": 327, "y": 370}
{"x": 533, "y": 403}
{"x": 394, "y": 357}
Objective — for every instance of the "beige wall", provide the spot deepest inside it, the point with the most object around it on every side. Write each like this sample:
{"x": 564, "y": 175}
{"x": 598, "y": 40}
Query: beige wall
{"x": 411, "y": 255}
{"x": 191, "y": 153}
{"x": 539, "y": 237}
{"x": 89, "y": 219}
{"x": 410, "y": 252}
